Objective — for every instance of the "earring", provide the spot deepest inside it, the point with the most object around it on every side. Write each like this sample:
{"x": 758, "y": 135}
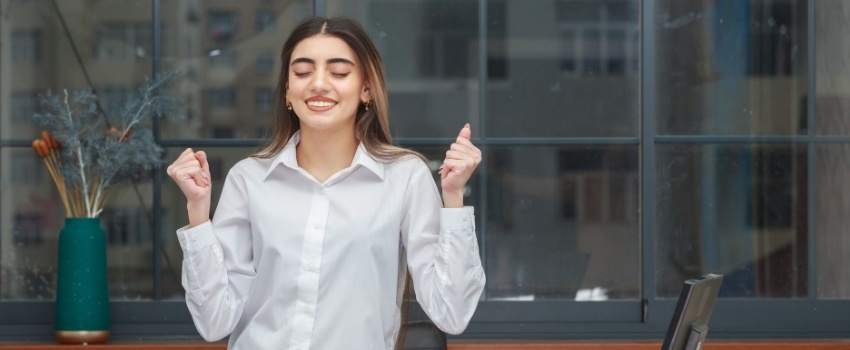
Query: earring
{"x": 288, "y": 104}
{"x": 366, "y": 104}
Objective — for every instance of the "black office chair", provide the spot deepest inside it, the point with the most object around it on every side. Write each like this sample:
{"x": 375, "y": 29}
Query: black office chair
{"x": 424, "y": 335}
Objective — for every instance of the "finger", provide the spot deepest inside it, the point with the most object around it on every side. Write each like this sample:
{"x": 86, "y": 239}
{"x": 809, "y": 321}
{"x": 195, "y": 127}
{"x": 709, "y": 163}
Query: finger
{"x": 457, "y": 155}
{"x": 185, "y": 152}
{"x": 201, "y": 156}
{"x": 187, "y": 155}
{"x": 465, "y": 148}
{"x": 465, "y": 132}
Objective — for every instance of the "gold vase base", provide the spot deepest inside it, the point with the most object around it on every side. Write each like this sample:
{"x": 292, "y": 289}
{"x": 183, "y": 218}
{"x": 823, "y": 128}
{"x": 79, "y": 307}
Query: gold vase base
{"x": 82, "y": 337}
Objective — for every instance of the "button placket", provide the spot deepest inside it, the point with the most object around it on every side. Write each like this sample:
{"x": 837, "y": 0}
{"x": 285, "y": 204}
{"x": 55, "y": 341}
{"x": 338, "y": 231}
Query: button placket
{"x": 311, "y": 257}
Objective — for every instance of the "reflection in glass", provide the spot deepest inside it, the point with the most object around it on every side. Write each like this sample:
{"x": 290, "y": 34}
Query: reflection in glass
{"x": 562, "y": 68}
{"x": 832, "y": 205}
{"x": 114, "y": 45}
{"x": 832, "y": 166}
{"x": 560, "y": 219}
{"x": 35, "y": 215}
{"x": 736, "y": 210}
{"x": 833, "y": 68}
{"x": 731, "y": 67}
{"x": 228, "y": 51}
{"x": 113, "y": 41}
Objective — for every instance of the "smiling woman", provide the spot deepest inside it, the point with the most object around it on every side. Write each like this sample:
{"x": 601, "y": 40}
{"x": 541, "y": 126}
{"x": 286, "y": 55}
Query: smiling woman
{"x": 317, "y": 238}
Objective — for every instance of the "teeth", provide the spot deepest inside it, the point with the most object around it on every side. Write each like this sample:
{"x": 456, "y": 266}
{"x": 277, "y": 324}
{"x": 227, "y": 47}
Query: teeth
{"x": 320, "y": 103}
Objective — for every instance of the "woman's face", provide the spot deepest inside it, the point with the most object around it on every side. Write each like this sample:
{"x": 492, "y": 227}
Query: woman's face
{"x": 326, "y": 84}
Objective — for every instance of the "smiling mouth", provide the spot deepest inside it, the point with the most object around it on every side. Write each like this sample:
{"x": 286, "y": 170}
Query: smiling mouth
{"x": 321, "y": 104}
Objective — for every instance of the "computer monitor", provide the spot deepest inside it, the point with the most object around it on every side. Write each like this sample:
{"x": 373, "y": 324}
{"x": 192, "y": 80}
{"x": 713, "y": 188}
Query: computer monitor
{"x": 689, "y": 324}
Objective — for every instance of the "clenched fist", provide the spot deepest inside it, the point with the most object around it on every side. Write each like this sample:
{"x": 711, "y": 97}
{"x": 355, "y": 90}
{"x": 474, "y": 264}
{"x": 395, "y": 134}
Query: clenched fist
{"x": 191, "y": 172}
{"x": 461, "y": 160}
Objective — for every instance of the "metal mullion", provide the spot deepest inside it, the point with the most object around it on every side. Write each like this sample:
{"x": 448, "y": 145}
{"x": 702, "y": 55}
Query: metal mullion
{"x": 727, "y": 139}
{"x": 647, "y": 94}
{"x": 482, "y": 114}
{"x": 526, "y": 141}
{"x": 157, "y": 176}
{"x": 811, "y": 225}
{"x": 212, "y": 143}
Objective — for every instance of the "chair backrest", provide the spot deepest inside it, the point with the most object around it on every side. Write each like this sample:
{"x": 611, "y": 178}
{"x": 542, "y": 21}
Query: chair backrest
{"x": 424, "y": 335}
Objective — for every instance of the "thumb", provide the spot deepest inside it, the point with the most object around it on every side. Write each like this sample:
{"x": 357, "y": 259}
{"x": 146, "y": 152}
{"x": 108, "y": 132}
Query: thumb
{"x": 466, "y": 132}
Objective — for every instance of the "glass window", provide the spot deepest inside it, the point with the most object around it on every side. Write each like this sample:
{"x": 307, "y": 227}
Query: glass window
{"x": 113, "y": 40}
{"x": 216, "y": 88}
{"x": 122, "y": 41}
{"x": 224, "y": 97}
{"x": 24, "y": 105}
{"x": 222, "y": 59}
{"x": 221, "y": 26}
{"x": 738, "y": 208}
{"x": 263, "y": 98}
{"x": 731, "y": 68}
{"x": 26, "y": 45}
{"x": 562, "y": 220}
{"x": 265, "y": 61}
{"x": 264, "y": 20}
{"x": 831, "y": 173}
{"x": 564, "y": 61}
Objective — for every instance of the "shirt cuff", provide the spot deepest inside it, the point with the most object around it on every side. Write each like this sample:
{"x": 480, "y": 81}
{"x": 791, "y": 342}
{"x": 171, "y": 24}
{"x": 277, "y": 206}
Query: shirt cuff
{"x": 194, "y": 238}
{"x": 457, "y": 218}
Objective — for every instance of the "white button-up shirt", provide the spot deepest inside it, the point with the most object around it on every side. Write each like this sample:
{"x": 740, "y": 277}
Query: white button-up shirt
{"x": 288, "y": 262}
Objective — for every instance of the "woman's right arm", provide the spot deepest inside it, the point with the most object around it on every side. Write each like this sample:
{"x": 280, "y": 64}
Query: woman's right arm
{"x": 217, "y": 256}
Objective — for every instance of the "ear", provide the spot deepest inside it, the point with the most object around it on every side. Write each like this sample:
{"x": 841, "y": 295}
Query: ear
{"x": 365, "y": 96}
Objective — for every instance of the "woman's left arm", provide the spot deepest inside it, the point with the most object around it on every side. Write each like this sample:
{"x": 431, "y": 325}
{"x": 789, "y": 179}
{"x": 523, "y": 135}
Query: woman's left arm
{"x": 442, "y": 249}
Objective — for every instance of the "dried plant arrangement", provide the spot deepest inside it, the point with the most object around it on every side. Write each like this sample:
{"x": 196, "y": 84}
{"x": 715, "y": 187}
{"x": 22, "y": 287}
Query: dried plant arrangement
{"x": 87, "y": 152}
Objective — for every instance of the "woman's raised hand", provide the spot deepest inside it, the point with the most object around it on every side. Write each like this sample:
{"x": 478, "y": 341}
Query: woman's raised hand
{"x": 461, "y": 160}
{"x": 191, "y": 172}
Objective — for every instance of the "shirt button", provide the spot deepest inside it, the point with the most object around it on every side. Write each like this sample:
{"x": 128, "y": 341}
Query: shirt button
{"x": 311, "y": 267}
{"x": 465, "y": 218}
{"x": 306, "y": 309}
{"x": 321, "y": 191}
{"x": 317, "y": 226}
{"x": 194, "y": 237}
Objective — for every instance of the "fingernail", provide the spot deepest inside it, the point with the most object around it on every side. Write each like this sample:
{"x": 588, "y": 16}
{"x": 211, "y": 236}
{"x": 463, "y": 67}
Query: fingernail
{"x": 466, "y": 126}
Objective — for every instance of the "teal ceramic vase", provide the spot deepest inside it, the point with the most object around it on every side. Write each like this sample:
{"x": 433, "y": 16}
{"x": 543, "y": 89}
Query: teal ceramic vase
{"x": 82, "y": 296}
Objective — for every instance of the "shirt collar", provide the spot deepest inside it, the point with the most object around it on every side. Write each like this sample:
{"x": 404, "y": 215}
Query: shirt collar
{"x": 287, "y": 158}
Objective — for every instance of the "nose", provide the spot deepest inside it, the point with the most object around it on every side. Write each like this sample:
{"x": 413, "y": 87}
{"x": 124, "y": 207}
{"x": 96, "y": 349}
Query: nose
{"x": 319, "y": 82}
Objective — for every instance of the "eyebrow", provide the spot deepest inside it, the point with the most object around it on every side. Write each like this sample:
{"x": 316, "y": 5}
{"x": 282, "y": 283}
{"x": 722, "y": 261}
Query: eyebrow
{"x": 329, "y": 61}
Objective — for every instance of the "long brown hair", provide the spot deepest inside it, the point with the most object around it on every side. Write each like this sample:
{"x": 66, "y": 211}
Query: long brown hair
{"x": 371, "y": 125}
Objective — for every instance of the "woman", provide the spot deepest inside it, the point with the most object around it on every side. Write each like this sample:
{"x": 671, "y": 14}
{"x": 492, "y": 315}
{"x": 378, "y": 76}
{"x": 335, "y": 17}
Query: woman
{"x": 313, "y": 236}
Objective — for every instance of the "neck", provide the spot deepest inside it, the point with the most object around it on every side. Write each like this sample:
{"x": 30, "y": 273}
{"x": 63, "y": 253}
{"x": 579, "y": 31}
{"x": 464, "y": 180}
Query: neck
{"x": 323, "y": 153}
